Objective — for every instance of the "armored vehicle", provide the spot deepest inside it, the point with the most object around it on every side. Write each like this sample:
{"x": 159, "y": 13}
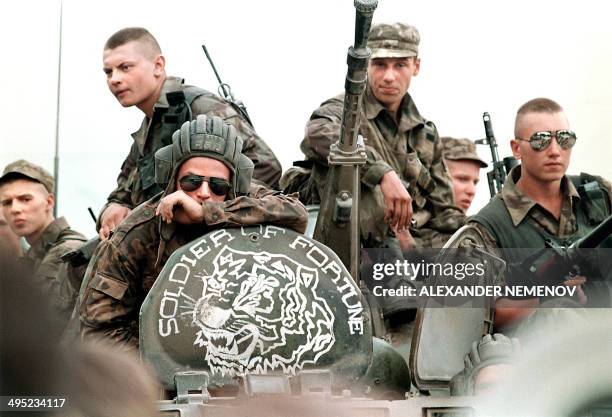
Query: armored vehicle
{"x": 265, "y": 321}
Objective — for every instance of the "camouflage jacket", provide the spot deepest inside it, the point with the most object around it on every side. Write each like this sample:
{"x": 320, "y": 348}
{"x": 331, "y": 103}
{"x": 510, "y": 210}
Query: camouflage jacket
{"x": 44, "y": 256}
{"x": 126, "y": 266}
{"x": 129, "y": 191}
{"x": 521, "y": 208}
{"x": 412, "y": 148}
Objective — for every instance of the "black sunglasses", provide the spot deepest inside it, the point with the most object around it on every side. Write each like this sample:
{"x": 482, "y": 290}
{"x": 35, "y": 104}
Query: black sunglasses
{"x": 192, "y": 182}
{"x": 542, "y": 140}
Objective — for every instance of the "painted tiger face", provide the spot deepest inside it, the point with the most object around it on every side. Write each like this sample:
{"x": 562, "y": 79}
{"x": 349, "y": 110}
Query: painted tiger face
{"x": 260, "y": 312}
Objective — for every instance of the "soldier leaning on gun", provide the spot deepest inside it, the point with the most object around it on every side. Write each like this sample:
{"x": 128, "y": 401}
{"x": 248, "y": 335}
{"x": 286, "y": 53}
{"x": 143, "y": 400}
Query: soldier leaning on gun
{"x": 538, "y": 200}
{"x": 135, "y": 71}
{"x": 208, "y": 187}
{"x": 26, "y": 195}
{"x": 404, "y": 170}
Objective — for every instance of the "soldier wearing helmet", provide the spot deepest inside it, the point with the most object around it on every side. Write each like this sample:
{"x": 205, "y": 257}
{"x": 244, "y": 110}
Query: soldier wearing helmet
{"x": 136, "y": 76}
{"x": 207, "y": 184}
{"x": 26, "y": 195}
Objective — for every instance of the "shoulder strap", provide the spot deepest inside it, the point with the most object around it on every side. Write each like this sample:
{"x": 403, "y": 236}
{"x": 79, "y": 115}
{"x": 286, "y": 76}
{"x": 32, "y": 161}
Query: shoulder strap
{"x": 594, "y": 196}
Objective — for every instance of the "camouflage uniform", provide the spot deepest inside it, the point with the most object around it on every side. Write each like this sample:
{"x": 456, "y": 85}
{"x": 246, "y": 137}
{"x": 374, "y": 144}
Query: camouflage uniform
{"x": 44, "y": 256}
{"x": 147, "y": 140}
{"x": 521, "y": 208}
{"x": 577, "y": 217}
{"x": 411, "y": 148}
{"x": 126, "y": 265}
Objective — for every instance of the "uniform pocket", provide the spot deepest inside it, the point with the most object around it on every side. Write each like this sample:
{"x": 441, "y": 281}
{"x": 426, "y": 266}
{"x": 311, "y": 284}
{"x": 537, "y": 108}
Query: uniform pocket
{"x": 109, "y": 286}
{"x": 101, "y": 300}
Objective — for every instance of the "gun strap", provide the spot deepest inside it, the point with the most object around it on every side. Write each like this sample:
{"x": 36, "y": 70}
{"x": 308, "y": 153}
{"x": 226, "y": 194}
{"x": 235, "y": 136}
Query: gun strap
{"x": 178, "y": 112}
{"x": 595, "y": 197}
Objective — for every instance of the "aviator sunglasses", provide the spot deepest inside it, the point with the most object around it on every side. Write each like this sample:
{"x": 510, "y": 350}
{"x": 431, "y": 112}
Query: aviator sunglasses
{"x": 192, "y": 182}
{"x": 542, "y": 140}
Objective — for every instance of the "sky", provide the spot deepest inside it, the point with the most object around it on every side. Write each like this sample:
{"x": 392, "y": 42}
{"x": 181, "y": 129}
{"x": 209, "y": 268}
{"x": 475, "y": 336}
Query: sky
{"x": 283, "y": 59}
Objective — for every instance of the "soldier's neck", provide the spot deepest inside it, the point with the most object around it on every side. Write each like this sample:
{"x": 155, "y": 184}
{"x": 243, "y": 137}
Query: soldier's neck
{"x": 393, "y": 109}
{"x": 546, "y": 194}
{"x": 34, "y": 237}
{"x": 148, "y": 106}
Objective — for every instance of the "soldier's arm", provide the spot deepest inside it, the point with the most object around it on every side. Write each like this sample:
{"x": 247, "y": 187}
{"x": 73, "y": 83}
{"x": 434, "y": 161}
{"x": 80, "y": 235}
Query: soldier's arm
{"x": 267, "y": 167}
{"x": 108, "y": 306}
{"x": 261, "y": 206}
{"x": 323, "y": 129}
{"x": 121, "y": 197}
{"x": 446, "y": 216}
{"x": 54, "y": 280}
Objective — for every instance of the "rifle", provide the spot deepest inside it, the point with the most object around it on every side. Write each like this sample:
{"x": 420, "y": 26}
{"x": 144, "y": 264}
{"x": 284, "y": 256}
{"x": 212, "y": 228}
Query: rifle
{"x": 555, "y": 263}
{"x": 338, "y": 221}
{"x": 500, "y": 169}
{"x": 225, "y": 90}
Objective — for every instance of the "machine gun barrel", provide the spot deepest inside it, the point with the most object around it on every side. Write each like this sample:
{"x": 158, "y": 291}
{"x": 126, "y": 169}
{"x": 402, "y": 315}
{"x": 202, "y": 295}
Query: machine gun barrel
{"x": 338, "y": 221}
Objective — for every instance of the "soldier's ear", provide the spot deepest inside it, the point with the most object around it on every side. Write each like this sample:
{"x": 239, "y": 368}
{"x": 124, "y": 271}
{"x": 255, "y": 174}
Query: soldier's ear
{"x": 50, "y": 202}
{"x": 514, "y": 145}
{"x": 417, "y": 65}
{"x": 159, "y": 66}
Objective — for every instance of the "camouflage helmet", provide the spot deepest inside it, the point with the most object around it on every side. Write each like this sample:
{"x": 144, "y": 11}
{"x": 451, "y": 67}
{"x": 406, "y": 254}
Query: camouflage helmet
{"x": 493, "y": 349}
{"x": 209, "y": 137}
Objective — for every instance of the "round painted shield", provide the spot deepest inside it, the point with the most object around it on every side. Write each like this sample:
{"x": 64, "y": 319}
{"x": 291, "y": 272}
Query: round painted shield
{"x": 255, "y": 300}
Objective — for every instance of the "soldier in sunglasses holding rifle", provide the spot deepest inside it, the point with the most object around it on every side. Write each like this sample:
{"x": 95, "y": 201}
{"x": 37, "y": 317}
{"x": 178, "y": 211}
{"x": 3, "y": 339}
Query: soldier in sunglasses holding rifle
{"x": 539, "y": 206}
{"x": 207, "y": 182}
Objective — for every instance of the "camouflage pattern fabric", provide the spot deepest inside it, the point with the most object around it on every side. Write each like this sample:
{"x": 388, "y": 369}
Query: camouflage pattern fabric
{"x": 522, "y": 207}
{"x": 30, "y": 170}
{"x": 129, "y": 190}
{"x": 44, "y": 256}
{"x": 460, "y": 149}
{"x": 411, "y": 148}
{"x": 396, "y": 40}
{"x": 126, "y": 266}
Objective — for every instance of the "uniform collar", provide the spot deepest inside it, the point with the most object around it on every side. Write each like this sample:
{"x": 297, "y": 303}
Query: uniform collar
{"x": 518, "y": 204}
{"x": 410, "y": 116}
{"x": 48, "y": 238}
{"x": 170, "y": 84}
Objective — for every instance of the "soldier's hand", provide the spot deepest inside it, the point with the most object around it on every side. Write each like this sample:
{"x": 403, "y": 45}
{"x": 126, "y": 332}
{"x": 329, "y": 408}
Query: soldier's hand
{"x": 398, "y": 210}
{"x": 180, "y": 207}
{"x": 405, "y": 239}
{"x": 577, "y": 282}
{"x": 111, "y": 217}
